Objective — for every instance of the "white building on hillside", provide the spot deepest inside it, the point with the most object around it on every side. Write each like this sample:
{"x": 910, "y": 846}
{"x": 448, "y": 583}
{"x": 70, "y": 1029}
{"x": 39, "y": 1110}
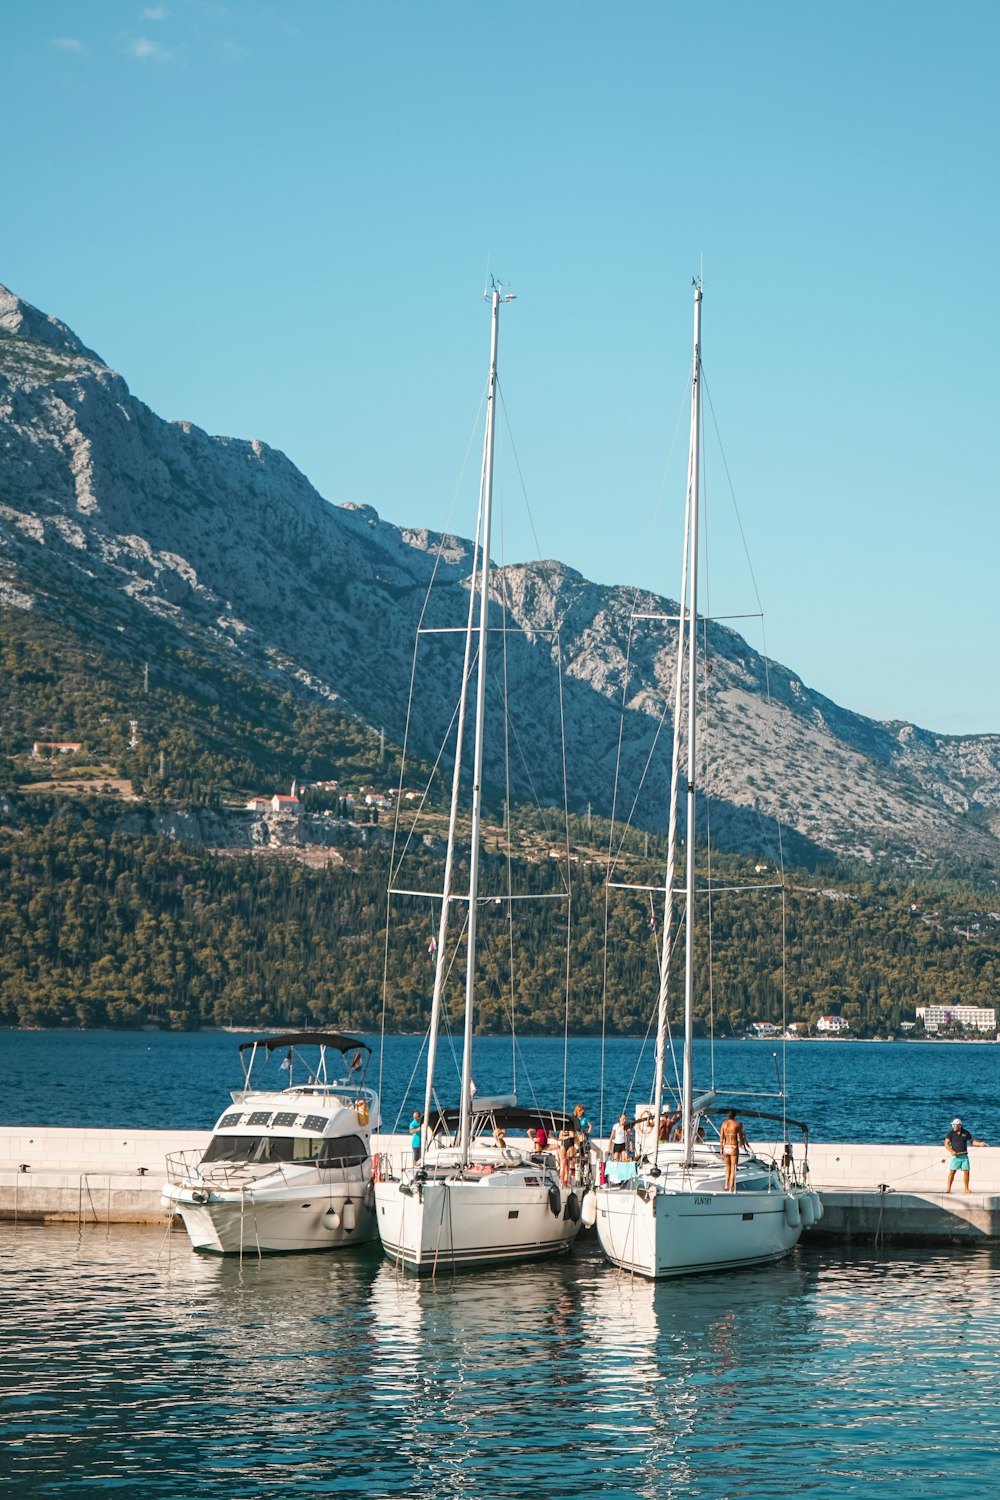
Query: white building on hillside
{"x": 41, "y": 748}
{"x": 972, "y": 1017}
{"x": 832, "y": 1024}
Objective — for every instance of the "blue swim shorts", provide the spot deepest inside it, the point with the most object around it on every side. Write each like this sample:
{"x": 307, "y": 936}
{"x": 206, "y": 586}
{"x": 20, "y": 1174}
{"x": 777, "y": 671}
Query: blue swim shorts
{"x": 959, "y": 1164}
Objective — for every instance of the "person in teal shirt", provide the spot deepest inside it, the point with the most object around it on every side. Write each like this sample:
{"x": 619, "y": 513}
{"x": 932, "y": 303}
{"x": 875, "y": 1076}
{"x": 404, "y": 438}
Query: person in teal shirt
{"x": 957, "y": 1141}
{"x": 582, "y": 1120}
{"x": 416, "y": 1134}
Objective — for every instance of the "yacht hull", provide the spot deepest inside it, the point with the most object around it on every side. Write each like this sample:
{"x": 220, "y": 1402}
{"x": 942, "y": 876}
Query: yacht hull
{"x": 442, "y": 1223}
{"x": 659, "y": 1233}
{"x": 294, "y": 1218}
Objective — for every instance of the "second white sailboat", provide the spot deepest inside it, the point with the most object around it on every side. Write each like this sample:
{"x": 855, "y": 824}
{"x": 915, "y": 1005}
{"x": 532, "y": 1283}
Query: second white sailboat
{"x": 669, "y": 1213}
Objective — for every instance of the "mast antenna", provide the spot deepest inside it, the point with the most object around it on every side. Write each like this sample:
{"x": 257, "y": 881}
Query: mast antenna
{"x": 497, "y": 286}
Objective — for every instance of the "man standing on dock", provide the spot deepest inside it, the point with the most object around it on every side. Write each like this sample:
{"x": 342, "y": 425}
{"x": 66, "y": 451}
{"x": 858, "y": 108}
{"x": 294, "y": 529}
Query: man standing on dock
{"x": 957, "y": 1141}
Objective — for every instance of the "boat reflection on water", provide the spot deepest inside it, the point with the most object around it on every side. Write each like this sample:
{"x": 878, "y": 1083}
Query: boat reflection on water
{"x": 577, "y": 1368}
{"x": 125, "y": 1361}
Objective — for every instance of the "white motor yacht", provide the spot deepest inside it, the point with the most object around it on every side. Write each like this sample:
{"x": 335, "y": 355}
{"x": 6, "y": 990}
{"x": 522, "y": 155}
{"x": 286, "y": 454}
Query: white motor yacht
{"x": 289, "y": 1165}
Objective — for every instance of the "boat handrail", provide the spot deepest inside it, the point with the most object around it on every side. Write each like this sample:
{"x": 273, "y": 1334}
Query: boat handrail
{"x": 344, "y": 1089}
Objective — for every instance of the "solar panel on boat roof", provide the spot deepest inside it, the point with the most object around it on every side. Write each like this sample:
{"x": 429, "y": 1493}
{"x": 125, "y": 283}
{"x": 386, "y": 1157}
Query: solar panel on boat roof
{"x": 231, "y": 1119}
{"x": 259, "y": 1117}
{"x": 315, "y": 1122}
{"x": 285, "y": 1118}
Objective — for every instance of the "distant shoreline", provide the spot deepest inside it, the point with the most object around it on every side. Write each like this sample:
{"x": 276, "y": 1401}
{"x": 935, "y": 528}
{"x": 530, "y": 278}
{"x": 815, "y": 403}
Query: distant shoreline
{"x": 150, "y": 1030}
{"x": 907, "y": 1041}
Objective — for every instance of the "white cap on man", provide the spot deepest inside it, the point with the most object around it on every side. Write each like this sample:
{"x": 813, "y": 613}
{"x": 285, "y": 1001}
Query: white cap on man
{"x": 956, "y": 1124}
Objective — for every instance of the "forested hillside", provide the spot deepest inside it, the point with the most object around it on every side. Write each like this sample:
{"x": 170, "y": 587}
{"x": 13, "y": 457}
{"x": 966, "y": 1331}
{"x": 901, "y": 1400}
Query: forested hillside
{"x": 107, "y": 929}
{"x": 178, "y": 724}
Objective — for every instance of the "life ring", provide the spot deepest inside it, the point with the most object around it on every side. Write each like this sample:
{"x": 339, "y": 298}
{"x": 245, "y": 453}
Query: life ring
{"x": 375, "y": 1176}
{"x": 555, "y": 1200}
{"x": 572, "y": 1211}
{"x": 362, "y": 1112}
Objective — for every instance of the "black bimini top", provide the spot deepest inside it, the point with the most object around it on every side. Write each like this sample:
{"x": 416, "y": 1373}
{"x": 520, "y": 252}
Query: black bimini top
{"x": 759, "y": 1114}
{"x": 307, "y": 1038}
{"x": 507, "y": 1117}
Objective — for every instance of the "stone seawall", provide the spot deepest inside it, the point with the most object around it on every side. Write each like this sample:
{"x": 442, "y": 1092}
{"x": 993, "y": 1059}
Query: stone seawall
{"x": 87, "y": 1176}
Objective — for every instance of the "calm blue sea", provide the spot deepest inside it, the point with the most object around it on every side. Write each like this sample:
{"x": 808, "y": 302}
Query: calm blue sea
{"x": 845, "y": 1091}
{"x": 129, "y": 1364}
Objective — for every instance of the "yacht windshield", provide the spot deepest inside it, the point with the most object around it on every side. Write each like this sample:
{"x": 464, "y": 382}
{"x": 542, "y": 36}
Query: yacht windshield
{"x": 337, "y": 1151}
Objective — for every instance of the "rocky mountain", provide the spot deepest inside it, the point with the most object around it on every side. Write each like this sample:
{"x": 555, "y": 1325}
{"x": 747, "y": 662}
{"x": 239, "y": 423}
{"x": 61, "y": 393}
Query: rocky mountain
{"x": 110, "y": 514}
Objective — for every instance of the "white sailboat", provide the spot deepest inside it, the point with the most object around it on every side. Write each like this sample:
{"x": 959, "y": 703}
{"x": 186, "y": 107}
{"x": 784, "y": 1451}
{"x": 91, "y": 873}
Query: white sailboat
{"x": 670, "y": 1213}
{"x": 475, "y": 1197}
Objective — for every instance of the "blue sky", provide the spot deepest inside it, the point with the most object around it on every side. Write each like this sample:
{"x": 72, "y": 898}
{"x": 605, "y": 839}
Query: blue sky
{"x": 277, "y": 220}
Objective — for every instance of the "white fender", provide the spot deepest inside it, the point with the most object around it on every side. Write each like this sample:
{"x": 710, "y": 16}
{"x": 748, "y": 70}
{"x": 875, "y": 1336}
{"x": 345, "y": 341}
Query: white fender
{"x": 588, "y": 1209}
{"x": 817, "y": 1206}
{"x": 807, "y": 1208}
{"x": 793, "y": 1216}
{"x": 349, "y": 1215}
{"x": 331, "y": 1219}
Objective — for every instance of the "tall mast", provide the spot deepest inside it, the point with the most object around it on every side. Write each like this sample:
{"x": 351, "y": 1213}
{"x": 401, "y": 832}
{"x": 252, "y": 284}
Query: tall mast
{"x": 441, "y": 961}
{"x": 486, "y": 506}
{"x": 692, "y": 664}
{"x": 668, "y": 894}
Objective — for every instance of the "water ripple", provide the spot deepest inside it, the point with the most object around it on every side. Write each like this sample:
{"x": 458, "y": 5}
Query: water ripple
{"x": 127, "y": 1362}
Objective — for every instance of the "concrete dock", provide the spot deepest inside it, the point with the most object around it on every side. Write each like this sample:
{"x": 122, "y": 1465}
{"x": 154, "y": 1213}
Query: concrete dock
{"x": 871, "y": 1193}
{"x": 896, "y": 1195}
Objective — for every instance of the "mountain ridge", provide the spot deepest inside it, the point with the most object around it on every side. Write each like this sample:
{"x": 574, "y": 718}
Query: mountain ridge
{"x": 224, "y": 541}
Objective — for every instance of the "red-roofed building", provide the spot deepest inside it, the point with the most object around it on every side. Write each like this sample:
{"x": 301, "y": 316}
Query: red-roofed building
{"x": 281, "y": 804}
